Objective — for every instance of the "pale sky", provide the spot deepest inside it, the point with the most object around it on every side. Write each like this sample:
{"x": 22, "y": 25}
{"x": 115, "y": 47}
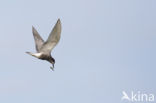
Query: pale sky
{"x": 106, "y": 46}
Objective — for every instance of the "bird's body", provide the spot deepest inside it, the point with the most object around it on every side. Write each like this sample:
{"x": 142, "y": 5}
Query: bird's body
{"x": 44, "y": 48}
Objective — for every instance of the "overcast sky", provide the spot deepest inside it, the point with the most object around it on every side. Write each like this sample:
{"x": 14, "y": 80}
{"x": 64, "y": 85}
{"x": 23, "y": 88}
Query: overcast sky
{"x": 106, "y": 47}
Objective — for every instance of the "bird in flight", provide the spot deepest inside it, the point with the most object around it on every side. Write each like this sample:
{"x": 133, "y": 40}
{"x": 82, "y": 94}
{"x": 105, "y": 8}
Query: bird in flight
{"x": 44, "y": 48}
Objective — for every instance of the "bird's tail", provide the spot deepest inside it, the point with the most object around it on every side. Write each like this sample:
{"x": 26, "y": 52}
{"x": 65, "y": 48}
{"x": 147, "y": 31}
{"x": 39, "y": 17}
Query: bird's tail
{"x": 29, "y": 53}
{"x": 37, "y": 55}
{"x": 32, "y": 54}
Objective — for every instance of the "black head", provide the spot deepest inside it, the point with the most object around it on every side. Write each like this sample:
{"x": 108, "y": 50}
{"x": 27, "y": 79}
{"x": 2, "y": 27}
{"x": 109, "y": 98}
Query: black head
{"x": 52, "y": 61}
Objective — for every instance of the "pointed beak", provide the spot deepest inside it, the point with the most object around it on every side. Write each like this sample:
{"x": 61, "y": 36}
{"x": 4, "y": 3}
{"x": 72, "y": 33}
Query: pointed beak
{"x": 52, "y": 67}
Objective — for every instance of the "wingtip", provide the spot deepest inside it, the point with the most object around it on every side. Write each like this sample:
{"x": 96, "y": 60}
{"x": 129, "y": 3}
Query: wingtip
{"x": 33, "y": 27}
{"x": 58, "y": 21}
{"x": 34, "y": 30}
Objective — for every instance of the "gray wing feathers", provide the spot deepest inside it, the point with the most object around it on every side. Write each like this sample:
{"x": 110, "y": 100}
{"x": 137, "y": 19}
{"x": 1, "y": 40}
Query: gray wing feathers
{"x": 53, "y": 38}
{"x": 38, "y": 40}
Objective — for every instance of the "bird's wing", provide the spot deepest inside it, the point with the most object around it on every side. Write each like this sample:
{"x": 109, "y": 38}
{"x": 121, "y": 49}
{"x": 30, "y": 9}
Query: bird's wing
{"x": 38, "y": 40}
{"x": 53, "y": 38}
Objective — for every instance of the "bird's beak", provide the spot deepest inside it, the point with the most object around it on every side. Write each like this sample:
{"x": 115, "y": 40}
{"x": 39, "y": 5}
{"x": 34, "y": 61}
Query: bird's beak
{"x": 52, "y": 67}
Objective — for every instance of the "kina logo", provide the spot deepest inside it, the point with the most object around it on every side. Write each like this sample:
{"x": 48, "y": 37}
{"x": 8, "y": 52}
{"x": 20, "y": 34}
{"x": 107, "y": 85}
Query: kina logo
{"x": 137, "y": 96}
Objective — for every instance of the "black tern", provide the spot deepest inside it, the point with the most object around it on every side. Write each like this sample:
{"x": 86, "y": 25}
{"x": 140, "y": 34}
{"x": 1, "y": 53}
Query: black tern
{"x": 44, "y": 48}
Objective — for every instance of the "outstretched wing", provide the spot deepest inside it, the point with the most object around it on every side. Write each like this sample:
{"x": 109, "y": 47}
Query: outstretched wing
{"x": 38, "y": 40}
{"x": 53, "y": 38}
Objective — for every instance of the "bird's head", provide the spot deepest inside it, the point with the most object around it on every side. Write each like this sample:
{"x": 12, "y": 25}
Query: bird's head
{"x": 52, "y": 61}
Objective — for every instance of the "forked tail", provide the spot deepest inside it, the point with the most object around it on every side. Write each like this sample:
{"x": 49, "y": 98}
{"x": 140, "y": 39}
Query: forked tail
{"x": 37, "y": 55}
